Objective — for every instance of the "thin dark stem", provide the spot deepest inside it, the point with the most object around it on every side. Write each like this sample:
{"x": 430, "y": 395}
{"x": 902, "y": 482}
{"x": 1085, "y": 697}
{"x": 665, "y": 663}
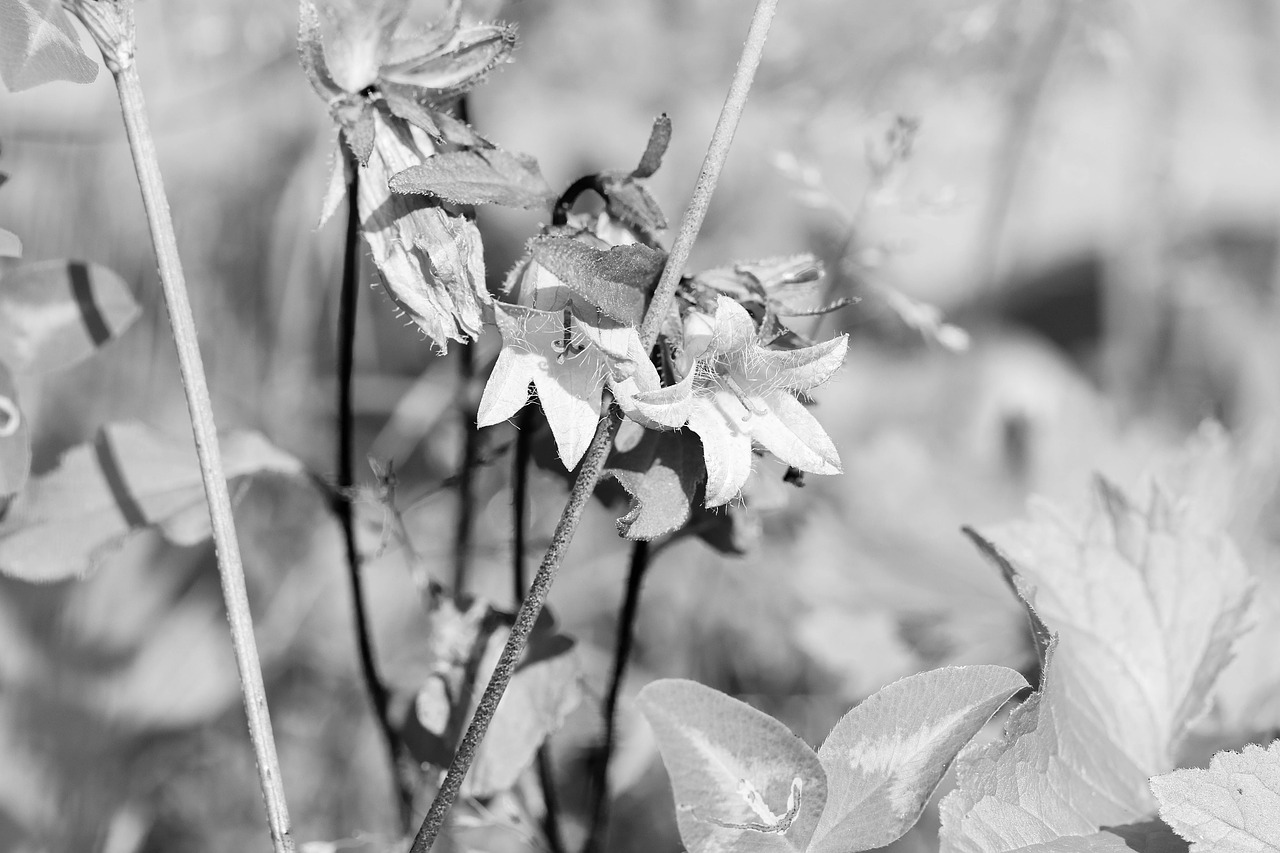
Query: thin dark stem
{"x": 564, "y": 204}
{"x": 624, "y": 640}
{"x": 519, "y": 522}
{"x": 593, "y": 463}
{"x": 465, "y": 524}
{"x": 348, "y": 301}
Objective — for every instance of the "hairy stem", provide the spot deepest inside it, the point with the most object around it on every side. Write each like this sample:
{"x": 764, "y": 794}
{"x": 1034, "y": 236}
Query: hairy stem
{"x": 624, "y": 640}
{"x": 465, "y": 524}
{"x": 344, "y": 499}
{"x": 111, "y": 26}
{"x": 593, "y": 463}
{"x": 712, "y": 164}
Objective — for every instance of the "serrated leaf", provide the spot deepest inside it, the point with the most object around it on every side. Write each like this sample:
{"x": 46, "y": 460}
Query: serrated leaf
{"x": 885, "y": 757}
{"x": 15, "y": 440}
{"x": 1146, "y": 606}
{"x": 727, "y": 763}
{"x": 659, "y": 139}
{"x": 54, "y": 314}
{"x": 1151, "y": 836}
{"x": 617, "y": 281}
{"x": 661, "y": 473}
{"x": 67, "y": 521}
{"x": 464, "y": 646}
{"x": 631, "y": 204}
{"x": 1232, "y": 807}
{"x": 472, "y": 54}
{"x": 492, "y": 176}
{"x": 38, "y": 45}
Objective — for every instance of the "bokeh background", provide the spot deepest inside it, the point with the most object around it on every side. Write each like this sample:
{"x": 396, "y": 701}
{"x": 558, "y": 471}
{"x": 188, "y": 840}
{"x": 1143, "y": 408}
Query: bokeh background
{"x": 1087, "y": 188}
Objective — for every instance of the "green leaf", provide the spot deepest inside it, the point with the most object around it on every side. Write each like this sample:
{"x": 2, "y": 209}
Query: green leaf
{"x": 402, "y": 101}
{"x": 617, "y": 281}
{"x": 631, "y": 204}
{"x": 661, "y": 473}
{"x": 38, "y": 45}
{"x": 66, "y": 522}
{"x": 472, "y": 54}
{"x": 54, "y": 314}
{"x": 1146, "y": 604}
{"x": 491, "y": 176}
{"x": 1151, "y": 836}
{"x": 885, "y": 757}
{"x": 734, "y": 771}
{"x": 1232, "y": 807}
{"x": 15, "y": 440}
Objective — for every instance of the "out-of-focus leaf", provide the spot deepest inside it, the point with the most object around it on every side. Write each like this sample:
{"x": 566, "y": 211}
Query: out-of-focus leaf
{"x": 39, "y": 45}
{"x": 464, "y": 647}
{"x": 473, "y": 53}
{"x": 311, "y": 53}
{"x": 742, "y": 780}
{"x": 661, "y": 473}
{"x": 15, "y": 440}
{"x": 336, "y": 192}
{"x": 54, "y": 314}
{"x": 1146, "y": 605}
{"x": 617, "y": 281}
{"x": 359, "y": 132}
{"x": 1232, "y": 807}
{"x": 885, "y": 757}
{"x": 491, "y": 176}
{"x": 69, "y": 520}
{"x": 659, "y": 139}
{"x": 631, "y": 204}
{"x": 10, "y": 245}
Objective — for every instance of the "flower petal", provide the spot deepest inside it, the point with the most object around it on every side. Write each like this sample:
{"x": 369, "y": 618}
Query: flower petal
{"x": 798, "y": 369}
{"x": 725, "y": 450}
{"x": 735, "y": 330}
{"x": 507, "y": 390}
{"x": 643, "y": 399}
{"x": 791, "y": 433}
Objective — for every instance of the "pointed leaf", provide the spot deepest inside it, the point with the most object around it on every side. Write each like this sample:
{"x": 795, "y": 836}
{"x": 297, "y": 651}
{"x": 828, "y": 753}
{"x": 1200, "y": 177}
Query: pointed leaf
{"x": 69, "y": 520}
{"x": 1151, "y": 836}
{"x": 54, "y": 314}
{"x": 631, "y": 204}
{"x": 492, "y": 176}
{"x": 311, "y": 53}
{"x": 1232, "y": 807}
{"x": 402, "y": 101}
{"x": 15, "y": 440}
{"x": 38, "y": 45}
{"x": 730, "y": 767}
{"x": 885, "y": 757}
{"x": 617, "y": 281}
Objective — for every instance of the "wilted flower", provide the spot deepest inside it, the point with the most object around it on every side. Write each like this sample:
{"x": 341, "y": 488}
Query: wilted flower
{"x": 385, "y": 84}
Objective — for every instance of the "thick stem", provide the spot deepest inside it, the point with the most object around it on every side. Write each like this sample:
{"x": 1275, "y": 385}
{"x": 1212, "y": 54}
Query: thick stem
{"x": 467, "y": 408}
{"x": 624, "y": 640}
{"x": 344, "y": 500}
{"x": 593, "y": 463}
{"x": 143, "y": 149}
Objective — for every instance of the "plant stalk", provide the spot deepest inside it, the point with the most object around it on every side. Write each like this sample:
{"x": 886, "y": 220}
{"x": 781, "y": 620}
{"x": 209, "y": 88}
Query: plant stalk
{"x": 200, "y": 408}
{"x": 593, "y": 463}
{"x": 624, "y": 640}
{"x": 348, "y": 302}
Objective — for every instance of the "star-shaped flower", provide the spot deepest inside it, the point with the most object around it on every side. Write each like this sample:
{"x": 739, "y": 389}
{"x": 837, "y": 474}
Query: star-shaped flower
{"x": 744, "y": 393}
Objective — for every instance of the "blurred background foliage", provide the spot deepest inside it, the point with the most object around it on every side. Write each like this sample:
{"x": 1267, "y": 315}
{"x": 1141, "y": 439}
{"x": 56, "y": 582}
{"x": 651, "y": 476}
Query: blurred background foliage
{"x": 1088, "y": 187}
